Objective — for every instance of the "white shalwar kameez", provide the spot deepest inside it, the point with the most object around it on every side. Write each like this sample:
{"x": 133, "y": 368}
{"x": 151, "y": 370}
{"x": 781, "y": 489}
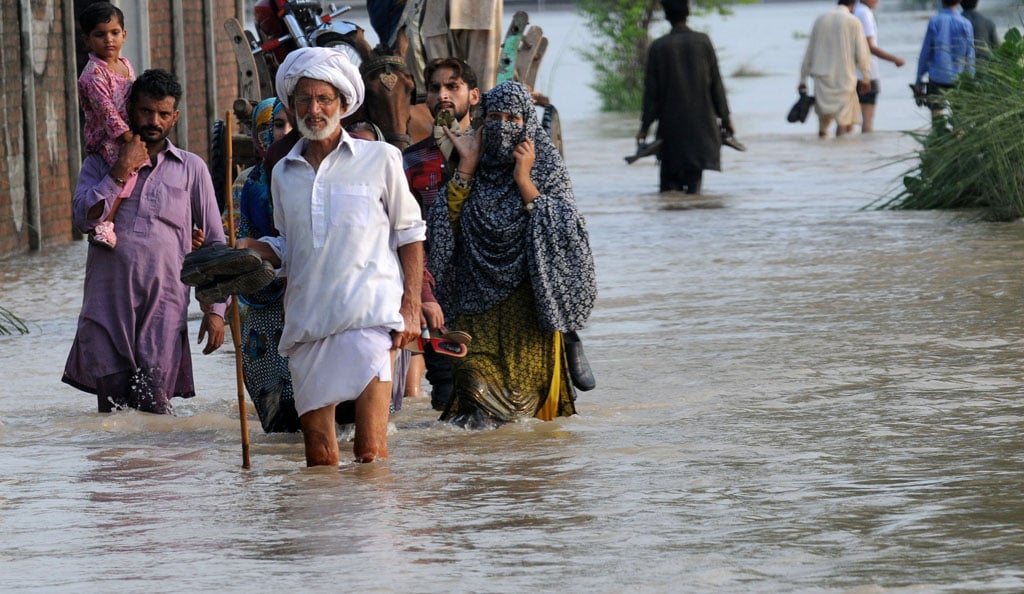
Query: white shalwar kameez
{"x": 341, "y": 227}
{"x": 835, "y": 52}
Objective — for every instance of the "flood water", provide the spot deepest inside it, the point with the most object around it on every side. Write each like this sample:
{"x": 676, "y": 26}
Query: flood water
{"x": 795, "y": 394}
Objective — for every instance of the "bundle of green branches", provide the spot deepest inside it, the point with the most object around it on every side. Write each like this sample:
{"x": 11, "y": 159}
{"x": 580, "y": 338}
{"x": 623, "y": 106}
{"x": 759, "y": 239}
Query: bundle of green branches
{"x": 973, "y": 156}
{"x": 10, "y": 323}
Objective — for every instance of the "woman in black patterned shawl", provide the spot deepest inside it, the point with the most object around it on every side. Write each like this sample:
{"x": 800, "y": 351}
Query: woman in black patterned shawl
{"x": 513, "y": 265}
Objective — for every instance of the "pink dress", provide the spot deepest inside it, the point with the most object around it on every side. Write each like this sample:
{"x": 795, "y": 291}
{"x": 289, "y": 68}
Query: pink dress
{"x": 103, "y": 95}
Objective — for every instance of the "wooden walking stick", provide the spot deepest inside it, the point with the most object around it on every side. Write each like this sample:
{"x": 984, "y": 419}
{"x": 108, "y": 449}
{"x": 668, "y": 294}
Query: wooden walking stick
{"x": 236, "y": 330}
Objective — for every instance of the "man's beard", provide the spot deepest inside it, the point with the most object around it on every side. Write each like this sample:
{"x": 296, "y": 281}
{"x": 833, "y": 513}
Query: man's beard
{"x": 143, "y": 133}
{"x": 457, "y": 114}
{"x": 333, "y": 123}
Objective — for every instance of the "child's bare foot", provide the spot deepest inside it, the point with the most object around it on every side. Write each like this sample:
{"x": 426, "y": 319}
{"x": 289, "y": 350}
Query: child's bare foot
{"x": 103, "y": 235}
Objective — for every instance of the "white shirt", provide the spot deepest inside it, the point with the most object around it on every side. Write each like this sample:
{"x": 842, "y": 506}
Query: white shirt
{"x": 867, "y": 20}
{"x": 341, "y": 227}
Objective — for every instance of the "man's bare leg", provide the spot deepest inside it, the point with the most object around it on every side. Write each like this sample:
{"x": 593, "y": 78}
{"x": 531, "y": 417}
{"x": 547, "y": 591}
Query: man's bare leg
{"x": 319, "y": 435}
{"x": 372, "y": 406}
{"x": 867, "y": 116}
{"x": 824, "y": 121}
{"x": 414, "y": 377}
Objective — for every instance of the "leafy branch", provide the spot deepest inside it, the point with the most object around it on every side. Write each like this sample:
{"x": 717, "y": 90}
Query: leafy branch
{"x": 10, "y": 323}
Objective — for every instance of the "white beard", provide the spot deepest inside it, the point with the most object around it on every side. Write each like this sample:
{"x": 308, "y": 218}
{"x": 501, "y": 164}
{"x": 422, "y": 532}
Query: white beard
{"x": 333, "y": 123}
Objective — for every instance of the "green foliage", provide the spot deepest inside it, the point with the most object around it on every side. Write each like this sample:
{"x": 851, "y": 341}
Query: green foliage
{"x": 973, "y": 157}
{"x": 621, "y": 37}
{"x": 620, "y": 50}
{"x": 10, "y": 323}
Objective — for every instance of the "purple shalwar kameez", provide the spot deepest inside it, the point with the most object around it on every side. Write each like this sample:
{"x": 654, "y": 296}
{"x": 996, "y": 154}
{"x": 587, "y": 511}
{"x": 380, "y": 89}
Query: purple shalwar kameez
{"x": 132, "y": 348}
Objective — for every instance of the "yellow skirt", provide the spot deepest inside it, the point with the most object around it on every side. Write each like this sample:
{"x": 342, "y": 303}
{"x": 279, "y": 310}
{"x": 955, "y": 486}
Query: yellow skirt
{"x": 513, "y": 368}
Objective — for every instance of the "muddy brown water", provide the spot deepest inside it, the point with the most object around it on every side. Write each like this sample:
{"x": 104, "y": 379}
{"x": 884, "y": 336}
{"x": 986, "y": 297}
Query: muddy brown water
{"x": 795, "y": 394}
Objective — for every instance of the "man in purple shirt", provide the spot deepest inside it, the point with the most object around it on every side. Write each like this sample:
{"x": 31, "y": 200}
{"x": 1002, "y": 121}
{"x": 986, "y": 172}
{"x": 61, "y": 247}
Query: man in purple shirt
{"x": 131, "y": 349}
{"x": 948, "y": 50}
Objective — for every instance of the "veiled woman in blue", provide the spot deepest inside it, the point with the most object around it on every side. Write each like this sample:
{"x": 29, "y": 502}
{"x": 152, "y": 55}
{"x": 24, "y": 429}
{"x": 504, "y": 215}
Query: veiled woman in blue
{"x": 513, "y": 265}
{"x": 266, "y": 373}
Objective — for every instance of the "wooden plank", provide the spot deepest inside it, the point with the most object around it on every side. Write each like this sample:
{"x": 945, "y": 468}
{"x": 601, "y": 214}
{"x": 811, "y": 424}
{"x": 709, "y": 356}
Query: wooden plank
{"x": 528, "y": 47}
{"x": 266, "y": 77}
{"x": 250, "y": 87}
{"x": 534, "y": 67}
{"x": 510, "y": 47}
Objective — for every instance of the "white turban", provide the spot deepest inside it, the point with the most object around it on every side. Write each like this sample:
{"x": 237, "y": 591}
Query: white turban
{"x": 321, "y": 63}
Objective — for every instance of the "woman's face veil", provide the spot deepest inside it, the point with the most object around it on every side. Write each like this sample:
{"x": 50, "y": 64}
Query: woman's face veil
{"x": 501, "y": 137}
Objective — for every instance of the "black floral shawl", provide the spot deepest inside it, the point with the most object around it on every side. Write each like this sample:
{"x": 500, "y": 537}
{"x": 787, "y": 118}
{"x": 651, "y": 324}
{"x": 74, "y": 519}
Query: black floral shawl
{"x": 500, "y": 244}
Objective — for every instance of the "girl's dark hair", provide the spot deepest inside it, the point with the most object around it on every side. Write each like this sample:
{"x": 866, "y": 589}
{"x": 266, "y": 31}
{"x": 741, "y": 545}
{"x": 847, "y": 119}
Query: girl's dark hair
{"x": 156, "y": 84}
{"x": 99, "y": 12}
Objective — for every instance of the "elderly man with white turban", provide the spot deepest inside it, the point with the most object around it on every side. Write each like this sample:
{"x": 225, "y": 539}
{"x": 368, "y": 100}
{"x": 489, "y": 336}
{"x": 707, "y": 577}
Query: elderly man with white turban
{"x": 351, "y": 247}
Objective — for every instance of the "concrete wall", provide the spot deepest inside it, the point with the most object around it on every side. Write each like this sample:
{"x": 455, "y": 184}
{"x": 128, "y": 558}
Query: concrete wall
{"x": 39, "y": 145}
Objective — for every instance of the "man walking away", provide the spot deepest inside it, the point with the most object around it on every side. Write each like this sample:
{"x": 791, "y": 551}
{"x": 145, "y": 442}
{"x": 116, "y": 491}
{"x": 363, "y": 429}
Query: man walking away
{"x": 683, "y": 92}
{"x": 986, "y": 40}
{"x": 948, "y": 50}
{"x": 865, "y": 13}
{"x": 835, "y": 52}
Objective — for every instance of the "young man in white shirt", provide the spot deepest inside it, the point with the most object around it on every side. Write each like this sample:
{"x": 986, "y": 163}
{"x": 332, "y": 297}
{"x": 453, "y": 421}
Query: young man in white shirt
{"x": 864, "y": 11}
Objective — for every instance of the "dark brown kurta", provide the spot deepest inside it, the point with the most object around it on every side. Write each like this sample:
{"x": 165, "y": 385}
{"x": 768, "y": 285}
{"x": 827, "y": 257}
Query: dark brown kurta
{"x": 683, "y": 92}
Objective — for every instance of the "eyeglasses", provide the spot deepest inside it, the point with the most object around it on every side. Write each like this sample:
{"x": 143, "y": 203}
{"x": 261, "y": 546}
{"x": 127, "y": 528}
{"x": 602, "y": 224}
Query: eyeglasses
{"x": 324, "y": 101}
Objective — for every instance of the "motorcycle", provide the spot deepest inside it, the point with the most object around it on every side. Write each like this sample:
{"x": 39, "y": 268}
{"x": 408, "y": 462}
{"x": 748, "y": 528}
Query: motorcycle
{"x": 285, "y": 26}
{"x": 282, "y": 26}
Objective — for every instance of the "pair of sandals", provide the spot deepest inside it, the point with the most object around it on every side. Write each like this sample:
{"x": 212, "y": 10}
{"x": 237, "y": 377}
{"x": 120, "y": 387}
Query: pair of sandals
{"x": 218, "y": 271}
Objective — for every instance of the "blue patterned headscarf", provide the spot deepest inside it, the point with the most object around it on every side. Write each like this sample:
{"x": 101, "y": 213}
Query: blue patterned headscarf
{"x": 263, "y": 124}
{"x": 256, "y": 206}
{"x": 499, "y": 244}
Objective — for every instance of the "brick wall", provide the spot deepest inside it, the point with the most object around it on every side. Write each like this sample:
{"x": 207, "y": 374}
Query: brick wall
{"x": 52, "y": 103}
{"x": 13, "y": 230}
{"x": 195, "y": 78}
{"x": 227, "y": 68}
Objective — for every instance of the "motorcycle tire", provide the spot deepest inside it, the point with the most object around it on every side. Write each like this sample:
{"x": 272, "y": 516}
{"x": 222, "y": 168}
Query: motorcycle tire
{"x": 552, "y": 124}
{"x": 218, "y": 160}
